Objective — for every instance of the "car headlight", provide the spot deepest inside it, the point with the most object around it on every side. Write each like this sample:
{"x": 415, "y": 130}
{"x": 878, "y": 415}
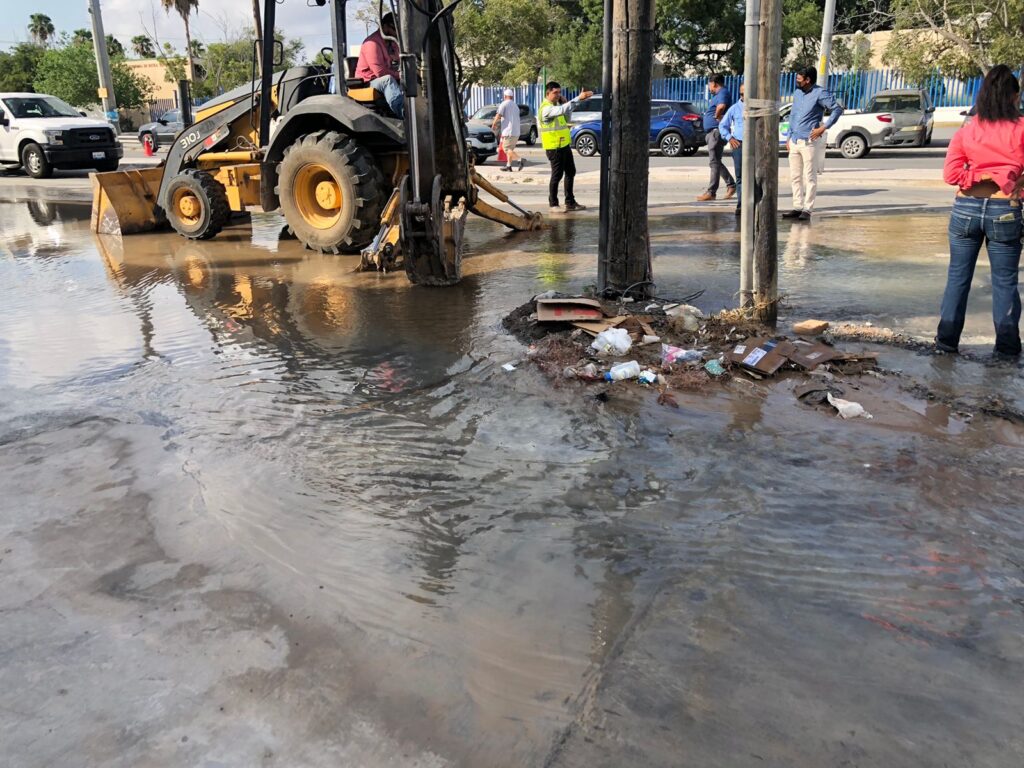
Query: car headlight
{"x": 54, "y": 137}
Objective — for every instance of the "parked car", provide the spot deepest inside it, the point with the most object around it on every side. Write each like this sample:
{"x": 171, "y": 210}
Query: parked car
{"x": 482, "y": 141}
{"x": 893, "y": 118}
{"x": 527, "y": 121}
{"x": 590, "y": 109}
{"x": 162, "y": 130}
{"x": 41, "y": 132}
{"x": 673, "y": 132}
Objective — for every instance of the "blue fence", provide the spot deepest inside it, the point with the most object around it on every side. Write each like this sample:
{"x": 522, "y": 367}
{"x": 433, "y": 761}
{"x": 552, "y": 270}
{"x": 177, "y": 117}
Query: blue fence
{"x": 854, "y": 89}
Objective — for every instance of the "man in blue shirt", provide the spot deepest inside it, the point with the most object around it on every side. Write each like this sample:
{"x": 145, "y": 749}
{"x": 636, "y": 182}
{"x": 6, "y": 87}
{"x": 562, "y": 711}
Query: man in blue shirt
{"x": 806, "y": 140}
{"x": 731, "y": 129}
{"x": 717, "y": 106}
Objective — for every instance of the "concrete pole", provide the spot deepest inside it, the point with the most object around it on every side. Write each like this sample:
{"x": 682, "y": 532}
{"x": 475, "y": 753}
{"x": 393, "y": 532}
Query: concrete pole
{"x": 747, "y": 196}
{"x": 606, "y": 108}
{"x": 99, "y": 43}
{"x": 826, "y": 42}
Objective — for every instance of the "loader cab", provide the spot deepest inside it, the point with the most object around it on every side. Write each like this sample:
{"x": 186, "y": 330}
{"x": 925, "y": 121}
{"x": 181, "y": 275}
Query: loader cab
{"x": 360, "y": 90}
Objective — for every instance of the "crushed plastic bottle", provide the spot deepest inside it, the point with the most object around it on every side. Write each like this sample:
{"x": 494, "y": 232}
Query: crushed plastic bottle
{"x": 670, "y": 354}
{"x": 623, "y": 371}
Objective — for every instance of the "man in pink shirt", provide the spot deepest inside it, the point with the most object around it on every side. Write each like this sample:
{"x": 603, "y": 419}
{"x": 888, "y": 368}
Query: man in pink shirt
{"x": 378, "y": 64}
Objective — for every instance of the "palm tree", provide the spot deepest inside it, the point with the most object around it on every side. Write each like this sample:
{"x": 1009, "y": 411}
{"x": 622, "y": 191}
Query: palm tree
{"x": 142, "y": 47}
{"x": 184, "y": 9}
{"x": 81, "y": 36}
{"x": 41, "y": 28}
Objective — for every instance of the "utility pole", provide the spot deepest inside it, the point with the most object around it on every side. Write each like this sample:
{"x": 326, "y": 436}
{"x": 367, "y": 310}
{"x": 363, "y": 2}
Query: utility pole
{"x": 826, "y": 41}
{"x": 99, "y": 43}
{"x": 766, "y": 175}
{"x": 258, "y": 28}
{"x": 606, "y": 111}
{"x": 750, "y": 119}
{"x": 628, "y": 255}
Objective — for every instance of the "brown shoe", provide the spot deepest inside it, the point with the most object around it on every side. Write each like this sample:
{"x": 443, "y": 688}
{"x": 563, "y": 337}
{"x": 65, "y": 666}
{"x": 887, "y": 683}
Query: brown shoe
{"x": 705, "y": 197}
{"x": 730, "y": 192}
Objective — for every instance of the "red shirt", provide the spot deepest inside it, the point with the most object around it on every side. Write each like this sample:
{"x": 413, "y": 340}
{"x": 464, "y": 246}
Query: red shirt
{"x": 376, "y": 58}
{"x": 981, "y": 150}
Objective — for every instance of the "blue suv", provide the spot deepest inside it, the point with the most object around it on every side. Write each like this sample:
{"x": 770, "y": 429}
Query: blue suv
{"x": 676, "y": 129}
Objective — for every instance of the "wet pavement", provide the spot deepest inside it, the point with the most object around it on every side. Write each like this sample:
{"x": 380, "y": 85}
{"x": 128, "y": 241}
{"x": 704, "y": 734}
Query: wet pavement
{"x": 262, "y": 510}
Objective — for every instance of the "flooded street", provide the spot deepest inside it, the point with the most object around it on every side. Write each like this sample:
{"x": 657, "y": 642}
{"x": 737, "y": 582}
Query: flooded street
{"x": 262, "y": 510}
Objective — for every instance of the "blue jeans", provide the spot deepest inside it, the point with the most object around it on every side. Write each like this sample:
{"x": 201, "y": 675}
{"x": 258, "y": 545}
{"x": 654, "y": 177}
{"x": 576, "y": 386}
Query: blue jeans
{"x": 392, "y": 91}
{"x": 997, "y": 223}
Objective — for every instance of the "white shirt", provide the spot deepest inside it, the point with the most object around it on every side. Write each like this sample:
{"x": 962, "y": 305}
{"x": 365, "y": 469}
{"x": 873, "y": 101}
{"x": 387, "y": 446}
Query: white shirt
{"x": 508, "y": 111}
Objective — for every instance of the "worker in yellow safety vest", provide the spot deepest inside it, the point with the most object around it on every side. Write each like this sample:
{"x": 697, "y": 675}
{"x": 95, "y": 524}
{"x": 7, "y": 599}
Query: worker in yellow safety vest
{"x": 552, "y": 118}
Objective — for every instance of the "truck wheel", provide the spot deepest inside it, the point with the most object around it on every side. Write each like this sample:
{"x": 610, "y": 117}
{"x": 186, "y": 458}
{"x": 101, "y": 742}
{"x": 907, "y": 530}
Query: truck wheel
{"x": 853, "y": 146}
{"x": 197, "y": 205}
{"x": 35, "y": 163}
{"x": 531, "y": 139}
{"x": 332, "y": 192}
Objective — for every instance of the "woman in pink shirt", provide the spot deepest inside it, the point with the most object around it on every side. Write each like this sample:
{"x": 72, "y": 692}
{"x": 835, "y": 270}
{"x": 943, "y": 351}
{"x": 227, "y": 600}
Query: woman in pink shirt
{"x": 985, "y": 161}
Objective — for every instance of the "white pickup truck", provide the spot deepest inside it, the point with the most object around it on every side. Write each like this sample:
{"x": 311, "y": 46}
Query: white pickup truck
{"x": 893, "y": 118}
{"x": 40, "y": 133}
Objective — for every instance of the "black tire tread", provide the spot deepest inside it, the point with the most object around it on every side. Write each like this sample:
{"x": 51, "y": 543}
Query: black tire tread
{"x": 368, "y": 180}
{"x": 215, "y": 197}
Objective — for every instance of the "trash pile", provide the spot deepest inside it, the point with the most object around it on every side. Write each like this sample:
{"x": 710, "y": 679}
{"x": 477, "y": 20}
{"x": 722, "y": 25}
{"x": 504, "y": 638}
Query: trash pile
{"x": 665, "y": 346}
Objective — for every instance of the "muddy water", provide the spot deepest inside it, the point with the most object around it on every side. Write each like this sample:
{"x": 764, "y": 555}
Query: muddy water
{"x": 262, "y": 510}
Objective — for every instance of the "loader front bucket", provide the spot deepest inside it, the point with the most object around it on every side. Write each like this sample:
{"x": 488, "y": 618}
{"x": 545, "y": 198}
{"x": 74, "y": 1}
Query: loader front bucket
{"x": 124, "y": 202}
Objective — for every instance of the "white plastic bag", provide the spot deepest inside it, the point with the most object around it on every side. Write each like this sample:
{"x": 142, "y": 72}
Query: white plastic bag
{"x": 612, "y": 342}
{"x": 847, "y": 408}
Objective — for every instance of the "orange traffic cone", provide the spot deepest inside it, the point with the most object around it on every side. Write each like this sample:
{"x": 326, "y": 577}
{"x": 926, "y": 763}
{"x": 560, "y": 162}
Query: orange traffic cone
{"x": 502, "y": 157}
{"x": 147, "y": 145}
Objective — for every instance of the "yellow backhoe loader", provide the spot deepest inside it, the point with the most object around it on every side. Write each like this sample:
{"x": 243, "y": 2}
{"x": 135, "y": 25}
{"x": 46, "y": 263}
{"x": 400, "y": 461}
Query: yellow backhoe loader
{"x": 323, "y": 147}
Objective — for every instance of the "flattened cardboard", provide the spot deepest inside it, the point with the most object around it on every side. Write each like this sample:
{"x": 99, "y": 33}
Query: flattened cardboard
{"x": 765, "y": 356}
{"x": 809, "y": 355}
{"x": 594, "y": 327}
{"x": 568, "y": 310}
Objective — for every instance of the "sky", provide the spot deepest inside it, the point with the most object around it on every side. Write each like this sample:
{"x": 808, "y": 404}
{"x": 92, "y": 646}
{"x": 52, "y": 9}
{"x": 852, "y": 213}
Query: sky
{"x": 126, "y": 18}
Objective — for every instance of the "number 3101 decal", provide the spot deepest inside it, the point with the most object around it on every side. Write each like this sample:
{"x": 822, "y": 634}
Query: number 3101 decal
{"x": 189, "y": 139}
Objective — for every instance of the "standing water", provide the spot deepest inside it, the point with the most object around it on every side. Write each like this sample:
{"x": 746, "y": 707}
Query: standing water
{"x": 261, "y": 509}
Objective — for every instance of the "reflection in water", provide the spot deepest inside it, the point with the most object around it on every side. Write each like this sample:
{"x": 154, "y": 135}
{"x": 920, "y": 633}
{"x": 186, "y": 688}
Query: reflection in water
{"x": 503, "y": 571}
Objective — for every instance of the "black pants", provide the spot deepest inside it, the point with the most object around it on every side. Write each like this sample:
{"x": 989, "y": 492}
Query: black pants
{"x": 562, "y": 164}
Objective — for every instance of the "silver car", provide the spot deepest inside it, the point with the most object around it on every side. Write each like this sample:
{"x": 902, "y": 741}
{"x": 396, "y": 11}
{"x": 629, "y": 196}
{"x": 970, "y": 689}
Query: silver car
{"x": 162, "y": 131}
{"x": 527, "y": 121}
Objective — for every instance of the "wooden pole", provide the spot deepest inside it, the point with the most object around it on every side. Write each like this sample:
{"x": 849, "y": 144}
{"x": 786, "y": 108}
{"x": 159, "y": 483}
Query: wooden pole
{"x": 766, "y": 175}
{"x": 629, "y": 249}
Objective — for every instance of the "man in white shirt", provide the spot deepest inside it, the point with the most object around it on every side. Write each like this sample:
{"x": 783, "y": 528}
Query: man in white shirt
{"x": 508, "y": 116}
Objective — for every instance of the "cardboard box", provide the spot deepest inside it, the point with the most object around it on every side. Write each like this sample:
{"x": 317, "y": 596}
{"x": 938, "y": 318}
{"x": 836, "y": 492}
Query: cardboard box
{"x": 566, "y": 310}
{"x": 764, "y": 356}
{"x": 809, "y": 355}
{"x": 810, "y": 327}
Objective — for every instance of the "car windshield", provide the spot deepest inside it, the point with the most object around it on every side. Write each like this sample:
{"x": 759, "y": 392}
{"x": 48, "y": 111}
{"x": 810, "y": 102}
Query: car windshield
{"x": 895, "y": 103}
{"x": 39, "y": 106}
{"x": 486, "y": 113}
{"x": 171, "y": 116}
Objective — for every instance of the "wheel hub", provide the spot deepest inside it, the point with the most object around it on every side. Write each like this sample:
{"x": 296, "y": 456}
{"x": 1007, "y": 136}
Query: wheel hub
{"x": 189, "y": 206}
{"x": 328, "y": 195}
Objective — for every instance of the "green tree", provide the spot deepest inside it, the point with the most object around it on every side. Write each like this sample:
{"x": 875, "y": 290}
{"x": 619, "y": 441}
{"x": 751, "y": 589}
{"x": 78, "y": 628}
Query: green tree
{"x": 801, "y": 33}
{"x": 114, "y": 48}
{"x": 505, "y": 41}
{"x": 81, "y": 36}
{"x": 18, "y": 66}
{"x": 962, "y": 37}
{"x": 184, "y": 9}
{"x": 575, "y": 55}
{"x": 701, "y": 36}
{"x": 142, "y": 47}
{"x": 228, "y": 64}
{"x": 41, "y": 28}
{"x": 70, "y": 74}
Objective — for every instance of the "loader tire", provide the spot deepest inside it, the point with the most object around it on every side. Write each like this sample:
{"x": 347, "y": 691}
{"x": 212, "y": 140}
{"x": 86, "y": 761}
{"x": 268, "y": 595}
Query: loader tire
{"x": 197, "y": 205}
{"x": 332, "y": 192}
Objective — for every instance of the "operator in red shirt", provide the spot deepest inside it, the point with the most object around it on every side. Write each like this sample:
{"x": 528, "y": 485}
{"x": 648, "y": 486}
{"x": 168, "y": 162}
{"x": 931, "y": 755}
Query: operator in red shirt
{"x": 378, "y": 64}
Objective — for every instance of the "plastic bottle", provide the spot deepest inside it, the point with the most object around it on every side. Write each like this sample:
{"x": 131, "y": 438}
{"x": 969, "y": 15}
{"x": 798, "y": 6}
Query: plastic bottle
{"x": 623, "y": 371}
